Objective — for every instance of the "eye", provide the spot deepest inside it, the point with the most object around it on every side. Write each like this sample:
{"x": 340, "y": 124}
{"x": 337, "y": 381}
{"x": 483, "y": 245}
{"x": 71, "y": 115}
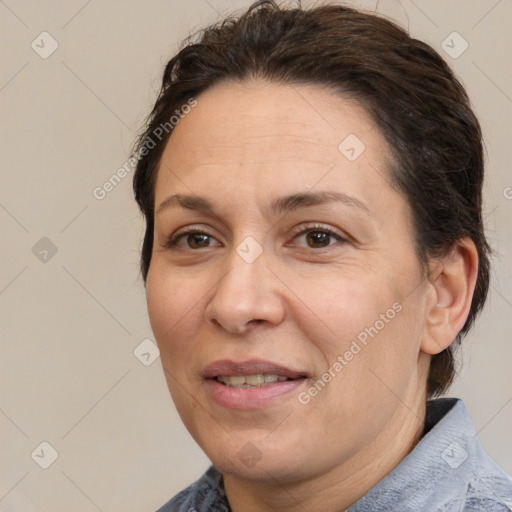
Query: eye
{"x": 317, "y": 238}
{"x": 192, "y": 240}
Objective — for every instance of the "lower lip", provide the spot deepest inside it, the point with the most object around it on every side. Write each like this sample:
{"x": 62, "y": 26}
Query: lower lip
{"x": 250, "y": 398}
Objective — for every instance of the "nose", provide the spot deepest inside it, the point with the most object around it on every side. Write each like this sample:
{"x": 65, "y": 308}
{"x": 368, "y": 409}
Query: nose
{"x": 247, "y": 295}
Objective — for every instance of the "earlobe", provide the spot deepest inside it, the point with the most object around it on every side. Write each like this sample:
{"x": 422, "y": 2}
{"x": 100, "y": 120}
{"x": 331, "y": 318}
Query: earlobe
{"x": 453, "y": 283}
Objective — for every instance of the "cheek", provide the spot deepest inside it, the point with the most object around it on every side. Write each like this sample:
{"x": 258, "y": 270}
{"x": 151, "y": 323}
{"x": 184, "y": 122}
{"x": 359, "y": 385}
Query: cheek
{"x": 369, "y": 322}
{"x": 174, "y": 308}
{"x": 344, "y": 306}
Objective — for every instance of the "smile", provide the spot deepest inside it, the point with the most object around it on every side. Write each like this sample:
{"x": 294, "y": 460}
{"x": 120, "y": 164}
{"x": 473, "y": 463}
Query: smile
{"x": 251, "y": 384}
{"x": 250, "y": 381}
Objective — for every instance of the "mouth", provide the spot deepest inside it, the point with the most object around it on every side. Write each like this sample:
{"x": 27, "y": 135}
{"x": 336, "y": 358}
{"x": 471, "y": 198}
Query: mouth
{"x": 251, "y": 373}
{"x": 250, "y": 384}
{"x": 250, "y": 381}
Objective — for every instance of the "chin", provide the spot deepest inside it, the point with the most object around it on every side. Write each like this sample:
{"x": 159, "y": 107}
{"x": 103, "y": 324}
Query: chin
{"x": 259, "y": 460}
{"x": 262, "y": 470}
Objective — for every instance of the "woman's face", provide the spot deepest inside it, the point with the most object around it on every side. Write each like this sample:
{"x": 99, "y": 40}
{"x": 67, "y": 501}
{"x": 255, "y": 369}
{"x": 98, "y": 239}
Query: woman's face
{"x": 284, "y": 291}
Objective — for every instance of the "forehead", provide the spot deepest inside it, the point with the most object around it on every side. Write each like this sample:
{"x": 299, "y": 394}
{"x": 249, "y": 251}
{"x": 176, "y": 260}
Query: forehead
{"x": 263, "y": 135}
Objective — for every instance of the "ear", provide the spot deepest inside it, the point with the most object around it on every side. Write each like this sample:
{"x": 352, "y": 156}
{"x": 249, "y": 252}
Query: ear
{"x": 452, "y": 281}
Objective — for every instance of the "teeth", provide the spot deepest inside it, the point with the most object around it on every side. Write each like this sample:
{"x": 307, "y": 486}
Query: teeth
{"x": 249, "y": 381}
{"x": 255, "y": 380}
{"x": 237, "y": 381}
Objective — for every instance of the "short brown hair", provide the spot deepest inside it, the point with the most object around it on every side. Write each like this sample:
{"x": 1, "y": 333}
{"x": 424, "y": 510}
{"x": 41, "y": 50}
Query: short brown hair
{"x": 419, "y": 105}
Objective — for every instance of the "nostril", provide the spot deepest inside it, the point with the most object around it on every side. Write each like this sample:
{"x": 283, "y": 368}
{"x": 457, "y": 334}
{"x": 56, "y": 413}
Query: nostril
{"x": 215, "y": 322}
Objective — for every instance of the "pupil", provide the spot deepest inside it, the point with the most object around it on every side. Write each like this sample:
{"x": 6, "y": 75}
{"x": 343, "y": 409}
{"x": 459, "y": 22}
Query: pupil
{"x": 198, "y": 240}
{"x": 318, "y": 239}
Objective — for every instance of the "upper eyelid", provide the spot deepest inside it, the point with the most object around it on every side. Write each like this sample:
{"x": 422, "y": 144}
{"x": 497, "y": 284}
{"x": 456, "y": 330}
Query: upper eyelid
{"x": 295, "y": 231}
{"x": 185, "y": 230}
{"x": 318, "y": 227}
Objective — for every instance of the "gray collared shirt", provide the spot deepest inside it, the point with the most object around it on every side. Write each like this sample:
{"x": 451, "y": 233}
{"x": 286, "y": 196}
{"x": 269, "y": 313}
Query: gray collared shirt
{"x": 447, "y": 471}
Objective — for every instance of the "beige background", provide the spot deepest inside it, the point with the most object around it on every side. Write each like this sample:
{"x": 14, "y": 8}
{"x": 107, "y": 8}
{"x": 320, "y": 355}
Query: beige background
{"x": 70, "y": 324}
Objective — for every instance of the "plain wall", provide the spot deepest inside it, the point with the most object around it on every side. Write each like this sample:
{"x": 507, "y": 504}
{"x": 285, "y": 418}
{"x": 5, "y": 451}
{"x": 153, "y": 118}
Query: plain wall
{"x": 72, "y": 320}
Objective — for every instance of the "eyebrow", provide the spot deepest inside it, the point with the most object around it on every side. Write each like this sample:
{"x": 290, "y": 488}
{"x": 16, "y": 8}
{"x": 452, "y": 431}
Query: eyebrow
{"x": 190, "y": 202}
{"x": 298, "y": 201}
{"x": 280, "y": 205}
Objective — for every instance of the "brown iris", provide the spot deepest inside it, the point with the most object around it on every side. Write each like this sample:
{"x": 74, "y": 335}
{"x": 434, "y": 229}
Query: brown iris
{"x": 198, "y": 240}
{"x": 318, "y": 239}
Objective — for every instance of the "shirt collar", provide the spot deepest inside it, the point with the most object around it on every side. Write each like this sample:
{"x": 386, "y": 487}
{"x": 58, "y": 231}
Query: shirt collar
{"x": 437, "y": 469}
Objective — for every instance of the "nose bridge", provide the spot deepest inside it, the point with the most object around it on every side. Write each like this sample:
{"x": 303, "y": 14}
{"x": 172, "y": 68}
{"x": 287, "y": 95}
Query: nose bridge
{"x": 246, "y": 293}
{"x": 245, "y": 280}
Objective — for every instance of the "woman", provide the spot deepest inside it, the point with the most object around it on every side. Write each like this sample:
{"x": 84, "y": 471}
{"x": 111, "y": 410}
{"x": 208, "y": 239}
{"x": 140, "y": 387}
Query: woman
{"x": 314, "y": 249}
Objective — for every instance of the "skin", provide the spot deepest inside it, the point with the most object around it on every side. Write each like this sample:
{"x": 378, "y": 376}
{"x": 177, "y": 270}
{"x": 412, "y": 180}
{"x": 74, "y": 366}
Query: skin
{"x": 298, "y": 304}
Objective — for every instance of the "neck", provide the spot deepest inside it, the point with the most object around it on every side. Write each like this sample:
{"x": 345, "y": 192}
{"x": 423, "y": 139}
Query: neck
{"x": 340, "y": 487}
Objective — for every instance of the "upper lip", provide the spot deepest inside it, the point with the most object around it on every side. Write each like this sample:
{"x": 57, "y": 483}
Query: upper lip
{"x": 227, "y": 367}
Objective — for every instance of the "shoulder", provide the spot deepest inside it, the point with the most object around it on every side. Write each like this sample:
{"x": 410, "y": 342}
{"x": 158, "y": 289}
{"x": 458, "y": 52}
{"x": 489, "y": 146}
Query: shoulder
{"x": 447, "y": 471}
{"x": 489, "y": 491}
{"x": 488, "y": 488}
{"x": 204, "y": 495}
